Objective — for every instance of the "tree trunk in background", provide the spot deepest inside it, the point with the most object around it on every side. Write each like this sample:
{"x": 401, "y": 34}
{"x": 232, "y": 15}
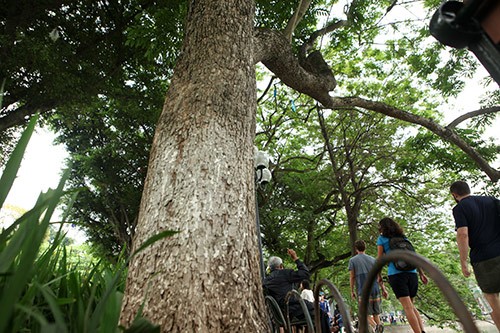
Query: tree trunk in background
{"x": 352, "y": 223}
{"x": 201, "y": 182}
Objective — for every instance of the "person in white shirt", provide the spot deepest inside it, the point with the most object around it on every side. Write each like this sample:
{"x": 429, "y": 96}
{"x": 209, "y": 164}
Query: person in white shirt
{"x": 306, "y": 293}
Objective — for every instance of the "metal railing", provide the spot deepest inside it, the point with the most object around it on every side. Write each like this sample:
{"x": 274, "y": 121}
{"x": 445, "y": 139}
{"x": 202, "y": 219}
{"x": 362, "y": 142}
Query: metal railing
{"x": 344, "y": 312}
{"x": 433, "y": 272}
{"x": 451, "y": 296}
{"x": 308, "y": 320}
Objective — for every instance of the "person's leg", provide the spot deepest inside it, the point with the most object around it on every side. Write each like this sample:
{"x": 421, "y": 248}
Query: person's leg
{"x": 324, "y": 321}
{"x": 411, "y": 314}
{"x": 379, "y": 326}
{"x": 371, "y": 323}
{"x": 376, "y": 308}
{"x": 487, "y": 273}
{"x": 413, "y": 289}
{"x": 405, "y": 287}
{"x": 419, "y": 318}
{"x": 494, "y": 301}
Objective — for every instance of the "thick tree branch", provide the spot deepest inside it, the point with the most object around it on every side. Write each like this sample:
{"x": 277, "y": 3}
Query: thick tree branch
{"x": 472, "y": 114}
{"x": 445, "y": 133}
{"x": 296, "y": 18}
{"x": 321, "y": 262}
{"x": 308, "y": 45}
{"x": 325, "y": 204}
{"x": 21, "y": 115}
{"x": 313, "y": 77}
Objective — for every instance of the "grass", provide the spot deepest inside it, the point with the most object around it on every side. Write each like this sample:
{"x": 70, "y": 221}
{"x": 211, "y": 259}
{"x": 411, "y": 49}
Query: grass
{"x": 42, "y": 289}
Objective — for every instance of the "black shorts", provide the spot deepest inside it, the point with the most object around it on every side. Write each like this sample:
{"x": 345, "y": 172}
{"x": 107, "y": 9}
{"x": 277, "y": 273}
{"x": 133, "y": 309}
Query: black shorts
{"x": 487, "y": 273}
{"x": 404, "y": 284}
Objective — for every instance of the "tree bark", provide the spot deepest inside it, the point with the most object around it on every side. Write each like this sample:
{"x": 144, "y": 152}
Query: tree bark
{"x": 472, "y": 114}
{"x": 201, "y": 182}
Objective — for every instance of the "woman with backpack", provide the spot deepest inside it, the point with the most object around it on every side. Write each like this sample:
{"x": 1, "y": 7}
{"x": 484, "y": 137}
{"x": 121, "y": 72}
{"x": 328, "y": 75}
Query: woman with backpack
{"x": 403, "y": 281}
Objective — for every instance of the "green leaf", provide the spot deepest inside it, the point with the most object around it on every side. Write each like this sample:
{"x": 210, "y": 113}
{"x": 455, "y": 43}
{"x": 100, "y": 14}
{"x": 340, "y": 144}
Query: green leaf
{"x": 154, "y": 239}
{"x": 32, "y": 312}
{"x": 112, "y": 313}
{"x": 142, "y": 325}
{"x": 23, "y": 248}
{"x": 54, "y": 307}
{"x": 106, "y": 303}
{"x": 14, "y": 162}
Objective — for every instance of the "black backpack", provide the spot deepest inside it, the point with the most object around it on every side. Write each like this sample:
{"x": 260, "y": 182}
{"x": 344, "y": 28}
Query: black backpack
{"x": 401, "y": 243}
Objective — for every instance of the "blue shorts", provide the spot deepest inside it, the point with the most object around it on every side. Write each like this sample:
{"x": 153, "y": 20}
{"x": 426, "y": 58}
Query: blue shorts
{"x": 404, "y": 284}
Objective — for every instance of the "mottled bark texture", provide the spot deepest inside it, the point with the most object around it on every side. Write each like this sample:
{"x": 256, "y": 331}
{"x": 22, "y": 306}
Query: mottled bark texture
{"x": 200, "y": 182}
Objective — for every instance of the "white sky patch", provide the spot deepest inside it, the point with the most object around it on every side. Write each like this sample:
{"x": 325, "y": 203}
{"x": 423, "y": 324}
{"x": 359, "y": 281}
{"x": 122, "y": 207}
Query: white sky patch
{"x": 40, "y": 170}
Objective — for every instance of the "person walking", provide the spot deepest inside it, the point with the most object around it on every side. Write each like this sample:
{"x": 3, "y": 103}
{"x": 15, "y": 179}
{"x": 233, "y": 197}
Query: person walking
{"x": 404, "y": 284}
{"x": 324, "y": 305}
{"x": 477, "y": 223}
{"x": 359, "y": 267}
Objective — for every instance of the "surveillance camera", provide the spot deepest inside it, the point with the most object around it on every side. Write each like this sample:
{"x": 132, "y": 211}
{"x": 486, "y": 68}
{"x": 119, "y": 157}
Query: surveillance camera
{"x": 261, "y": 160}
{"x": 266, "y": 176}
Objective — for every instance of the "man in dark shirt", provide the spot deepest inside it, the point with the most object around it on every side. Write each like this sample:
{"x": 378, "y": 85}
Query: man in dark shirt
{"x": 478, "y": 227}
{"x": 280, "y": 281}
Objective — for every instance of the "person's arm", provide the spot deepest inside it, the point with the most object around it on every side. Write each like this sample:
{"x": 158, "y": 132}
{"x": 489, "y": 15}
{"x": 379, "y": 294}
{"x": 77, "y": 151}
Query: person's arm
{"x": 302, "y": 272}
{"x": 423, "y": 277}
{"x": 463, "y": 249}
{"x": 352, "y": 280}
{"x": 380, "y": 251}
{"x": 381, "y": 284}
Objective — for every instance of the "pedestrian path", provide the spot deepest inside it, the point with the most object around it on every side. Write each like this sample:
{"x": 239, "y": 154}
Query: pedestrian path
{"x": 483, "y": 326}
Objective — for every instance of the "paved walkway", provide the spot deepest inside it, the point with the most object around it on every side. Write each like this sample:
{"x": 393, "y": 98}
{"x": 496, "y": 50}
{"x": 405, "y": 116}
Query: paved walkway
{"x": 483, "y": 326}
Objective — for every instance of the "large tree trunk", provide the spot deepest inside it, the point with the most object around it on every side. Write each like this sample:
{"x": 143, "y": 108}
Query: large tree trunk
{"x": 201, "y": 182}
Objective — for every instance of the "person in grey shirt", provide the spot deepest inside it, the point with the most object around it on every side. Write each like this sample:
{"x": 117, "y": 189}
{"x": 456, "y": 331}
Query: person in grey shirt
{"x": 359, "y": 267}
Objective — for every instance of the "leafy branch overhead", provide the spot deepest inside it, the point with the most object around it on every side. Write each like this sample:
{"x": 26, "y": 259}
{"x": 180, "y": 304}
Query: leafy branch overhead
{"x": 98, "y": 47}
{"x": 310, "y": 74}
{"x": 136, "y": 42}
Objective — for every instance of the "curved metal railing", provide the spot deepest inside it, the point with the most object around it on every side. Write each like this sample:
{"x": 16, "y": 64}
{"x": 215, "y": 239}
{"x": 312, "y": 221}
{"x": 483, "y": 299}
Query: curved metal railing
{"x": 432, "y": 271}
{"x": 344, "y": 311}
{"x": 295, "y": 293}
{"x": 276, "y": 315}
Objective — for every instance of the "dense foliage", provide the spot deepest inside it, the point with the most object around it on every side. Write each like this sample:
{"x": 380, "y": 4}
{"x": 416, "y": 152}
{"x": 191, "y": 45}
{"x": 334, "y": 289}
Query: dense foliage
{"x": 97, "y": 71}
{"x": 47, "y": 285}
